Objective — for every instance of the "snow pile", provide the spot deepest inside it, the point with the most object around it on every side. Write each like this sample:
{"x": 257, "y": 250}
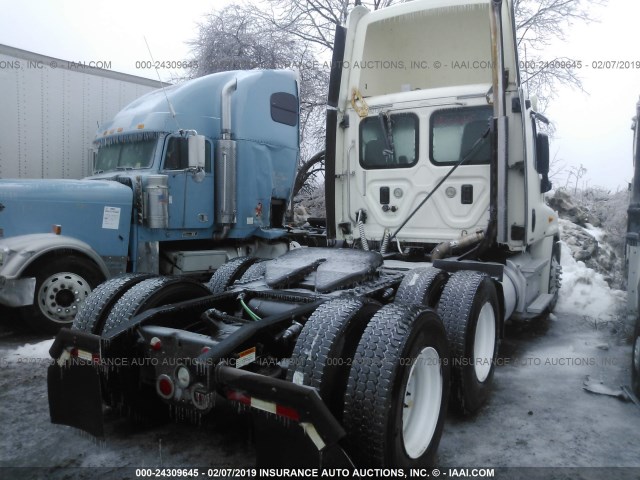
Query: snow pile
{"x": 585, "y": 291}
{"x": 592, "y": 246}
{"x": 38, "y": 353}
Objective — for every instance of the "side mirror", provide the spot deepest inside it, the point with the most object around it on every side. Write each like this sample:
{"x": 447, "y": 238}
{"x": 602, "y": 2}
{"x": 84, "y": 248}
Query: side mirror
{"x": 534, "y": 102}
{"x": 196, "y": 151}
{"x": 542, "y": 154}
{"x": 542, "y": 161}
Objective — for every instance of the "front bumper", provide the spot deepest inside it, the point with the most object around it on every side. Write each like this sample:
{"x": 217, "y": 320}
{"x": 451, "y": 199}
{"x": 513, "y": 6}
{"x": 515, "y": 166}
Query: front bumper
{"x": 17, "y": 292}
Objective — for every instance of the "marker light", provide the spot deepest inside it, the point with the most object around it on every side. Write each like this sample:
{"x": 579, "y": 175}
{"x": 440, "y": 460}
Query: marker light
{"x": 164, "y": 386}
{"x": 183, "y": 377}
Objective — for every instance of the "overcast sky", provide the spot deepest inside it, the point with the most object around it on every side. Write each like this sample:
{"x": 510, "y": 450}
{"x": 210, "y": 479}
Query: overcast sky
{"x": 592, "y": 129}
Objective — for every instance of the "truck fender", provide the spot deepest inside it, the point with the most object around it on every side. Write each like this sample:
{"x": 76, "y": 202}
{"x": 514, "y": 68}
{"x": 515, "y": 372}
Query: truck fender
{"x": 501, "y": 303}
{"x": 23, "y": 250}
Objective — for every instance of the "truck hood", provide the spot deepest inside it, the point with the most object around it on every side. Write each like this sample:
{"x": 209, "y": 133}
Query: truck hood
{"x": 94, "y": 211}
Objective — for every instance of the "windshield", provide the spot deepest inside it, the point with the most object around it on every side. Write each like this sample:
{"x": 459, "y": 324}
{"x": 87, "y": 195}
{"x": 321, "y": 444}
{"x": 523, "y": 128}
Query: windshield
{"x": 123, "y": 156}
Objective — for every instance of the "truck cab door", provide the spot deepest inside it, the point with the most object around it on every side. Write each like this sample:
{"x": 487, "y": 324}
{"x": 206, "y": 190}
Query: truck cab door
{"x": 190, "y": 191}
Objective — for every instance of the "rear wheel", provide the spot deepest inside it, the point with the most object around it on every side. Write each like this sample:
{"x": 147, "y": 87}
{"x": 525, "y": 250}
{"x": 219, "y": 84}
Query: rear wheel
{"x": 151, "y": 293}
{"x": 229, "y": 273}
{"x": 93, "y": 313}
{"x": 324, "y": 350}
{"x": 470, "y": 312}
{"x": 63, "y": 284}
{"x": 254, "y": 272}
{"x": 396, "y": 395}
{"x": 128, "y": 390}
{"x": 422, "y": 286}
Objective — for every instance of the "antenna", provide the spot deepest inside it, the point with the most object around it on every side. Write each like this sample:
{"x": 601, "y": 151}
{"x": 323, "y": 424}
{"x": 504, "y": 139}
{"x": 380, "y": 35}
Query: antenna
{"x": 173, "y": 112}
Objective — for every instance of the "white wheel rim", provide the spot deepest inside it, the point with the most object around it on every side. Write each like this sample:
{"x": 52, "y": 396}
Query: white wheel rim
{"x": 636, "y": 355}
{"x": 61, "y": 294}
{"x": 422, "y": 399}
{"x": 485, "y": 342}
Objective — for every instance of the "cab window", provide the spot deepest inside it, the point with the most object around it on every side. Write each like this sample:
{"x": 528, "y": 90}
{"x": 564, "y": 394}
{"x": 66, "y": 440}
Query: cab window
{"x": 389, "y": 142}
{"x": 176, "y": 156}
{"x": 454, "y": 133}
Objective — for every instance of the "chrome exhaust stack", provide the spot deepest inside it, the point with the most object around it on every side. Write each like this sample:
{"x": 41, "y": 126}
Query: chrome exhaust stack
{"x": 226, "y": 166}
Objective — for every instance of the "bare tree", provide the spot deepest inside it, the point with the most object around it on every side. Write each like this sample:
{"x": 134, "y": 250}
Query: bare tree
{"x": 315, "y": 21}
{"x": 540, "y": 23}
{"x": 577, "y": 173}
{"x": 238, "y": 37}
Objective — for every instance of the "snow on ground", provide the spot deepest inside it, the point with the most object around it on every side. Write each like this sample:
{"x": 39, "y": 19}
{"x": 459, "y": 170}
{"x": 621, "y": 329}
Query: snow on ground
{"x": 598, "y": 233}
{"x": 584, "y": 291}
{"x": 38, "y": 352}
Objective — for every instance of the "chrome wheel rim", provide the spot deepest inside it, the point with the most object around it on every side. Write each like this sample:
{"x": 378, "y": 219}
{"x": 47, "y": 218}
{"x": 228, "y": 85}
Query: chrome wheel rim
{"x": 60, "y": 296}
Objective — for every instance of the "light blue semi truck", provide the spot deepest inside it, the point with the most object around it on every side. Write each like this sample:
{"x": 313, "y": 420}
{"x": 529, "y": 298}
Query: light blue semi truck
{"x": 180, "y": 185}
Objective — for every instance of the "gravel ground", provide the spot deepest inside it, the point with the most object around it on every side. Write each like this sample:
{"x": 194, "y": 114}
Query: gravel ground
{"x": 538, "y": 415}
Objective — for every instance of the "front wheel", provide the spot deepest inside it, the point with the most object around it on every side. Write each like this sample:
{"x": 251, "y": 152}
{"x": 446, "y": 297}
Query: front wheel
{"x": 396, "y": 396}
{"x": 133, "y": 390}
{"x": 62, "y": 286}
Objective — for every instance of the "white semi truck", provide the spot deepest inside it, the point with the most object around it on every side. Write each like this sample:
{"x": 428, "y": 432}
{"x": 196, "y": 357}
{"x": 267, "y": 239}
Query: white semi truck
{"x": 437, "y": 234}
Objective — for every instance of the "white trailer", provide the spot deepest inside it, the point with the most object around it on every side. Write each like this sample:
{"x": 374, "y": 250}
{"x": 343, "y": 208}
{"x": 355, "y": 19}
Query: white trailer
{"x": 51, "y": 109}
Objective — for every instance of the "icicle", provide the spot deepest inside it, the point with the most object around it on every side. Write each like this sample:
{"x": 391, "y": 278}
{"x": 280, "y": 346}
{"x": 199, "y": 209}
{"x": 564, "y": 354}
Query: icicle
{"x": 126, "y": 138}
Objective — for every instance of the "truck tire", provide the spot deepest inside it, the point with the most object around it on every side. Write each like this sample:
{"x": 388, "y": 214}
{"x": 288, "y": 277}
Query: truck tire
{"x": 422, "y": 286}
{"x": 151, "y": 293}
{"x": 125, "y": 391}
{"x": 396, "y": 397}
{"x": 254, "y": 272}
{"x": 93, "y": 313}
{"x": 325, "y": 347}
{"x": 229, "y": 273}
{"x": 471, "y": 315}
{"x": 63, "y": 283}
{"x": 635, "y": 360}
{"x": 555, "y": 274}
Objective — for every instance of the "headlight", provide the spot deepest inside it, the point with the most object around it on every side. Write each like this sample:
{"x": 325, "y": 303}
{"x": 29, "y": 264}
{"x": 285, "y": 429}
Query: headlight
{"x": 4, "y": 255}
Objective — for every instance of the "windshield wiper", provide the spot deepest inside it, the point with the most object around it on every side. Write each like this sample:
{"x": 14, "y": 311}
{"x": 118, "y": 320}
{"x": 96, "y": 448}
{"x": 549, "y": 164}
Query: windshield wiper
{"x": 385, "y": 126}
{"x": 124, "y": 168}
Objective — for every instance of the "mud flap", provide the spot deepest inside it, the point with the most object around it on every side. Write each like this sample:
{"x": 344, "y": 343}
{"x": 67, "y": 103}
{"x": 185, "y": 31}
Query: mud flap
{"x": 75, "y": 397}
{"x": 284, "y": 444}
